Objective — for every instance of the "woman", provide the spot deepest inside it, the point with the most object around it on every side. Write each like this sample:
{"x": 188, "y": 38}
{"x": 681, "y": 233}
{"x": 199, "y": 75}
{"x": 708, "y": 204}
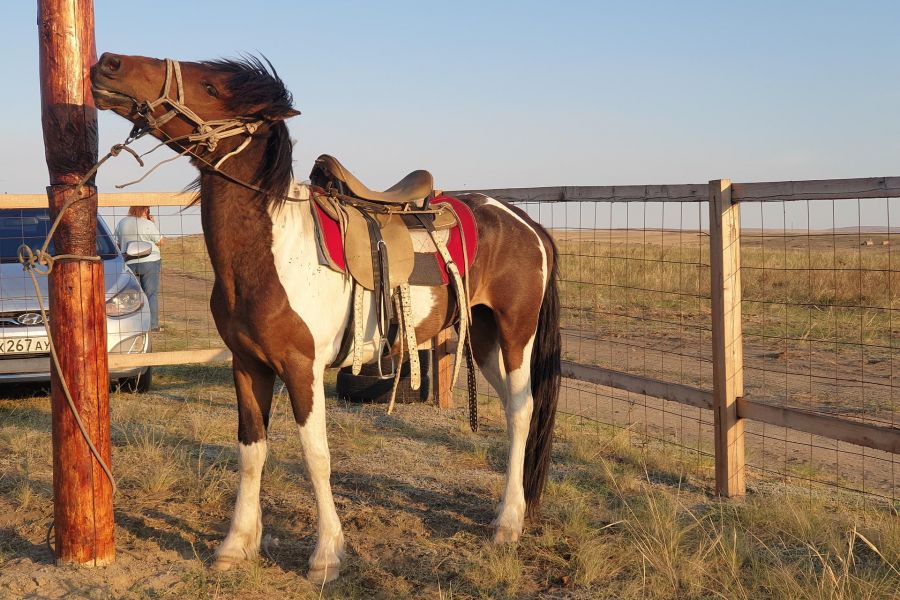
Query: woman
{"x": 139, "y": 226}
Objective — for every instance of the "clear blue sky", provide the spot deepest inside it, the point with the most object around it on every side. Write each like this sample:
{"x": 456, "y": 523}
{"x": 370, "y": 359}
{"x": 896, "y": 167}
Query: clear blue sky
{"x": 491, "y": 94}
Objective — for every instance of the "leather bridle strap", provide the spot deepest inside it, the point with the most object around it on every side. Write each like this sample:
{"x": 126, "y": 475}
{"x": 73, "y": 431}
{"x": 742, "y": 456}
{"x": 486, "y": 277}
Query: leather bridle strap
{"x": 206, "y": 133}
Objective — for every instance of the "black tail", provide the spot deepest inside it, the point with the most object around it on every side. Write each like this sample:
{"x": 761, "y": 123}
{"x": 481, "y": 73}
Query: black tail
{"x": 545, "y": 379}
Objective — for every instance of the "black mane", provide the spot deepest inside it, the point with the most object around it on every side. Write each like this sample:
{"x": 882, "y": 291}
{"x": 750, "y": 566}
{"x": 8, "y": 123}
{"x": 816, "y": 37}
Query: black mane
{"x": 254, "y": 87}
{"x": 255, "y": 90}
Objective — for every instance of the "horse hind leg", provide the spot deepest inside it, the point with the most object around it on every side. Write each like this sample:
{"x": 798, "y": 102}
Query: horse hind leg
{"x": 308, "y": 400}
{"x": 253, "y": 384}
{"x": 493, "y": 351}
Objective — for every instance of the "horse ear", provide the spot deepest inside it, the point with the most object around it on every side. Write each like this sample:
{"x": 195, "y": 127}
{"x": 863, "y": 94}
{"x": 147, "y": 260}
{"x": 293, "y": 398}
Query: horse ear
{"x": 291, "y": 112}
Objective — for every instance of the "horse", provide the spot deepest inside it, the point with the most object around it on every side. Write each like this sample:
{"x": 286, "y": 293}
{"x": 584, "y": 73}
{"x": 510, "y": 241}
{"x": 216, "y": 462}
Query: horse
{"x": 282, "y": 313}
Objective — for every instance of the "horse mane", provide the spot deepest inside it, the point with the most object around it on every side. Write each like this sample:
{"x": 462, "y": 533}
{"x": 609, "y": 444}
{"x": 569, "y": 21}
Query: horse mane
{"x": 255, "y": 90}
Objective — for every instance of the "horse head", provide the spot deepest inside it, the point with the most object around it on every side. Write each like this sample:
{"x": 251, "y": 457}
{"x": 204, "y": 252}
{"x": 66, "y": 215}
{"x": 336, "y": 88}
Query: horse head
{"x": 197, "y": 104}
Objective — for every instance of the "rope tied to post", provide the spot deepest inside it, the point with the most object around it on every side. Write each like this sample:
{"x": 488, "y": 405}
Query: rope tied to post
{"x": 40, "y": 262}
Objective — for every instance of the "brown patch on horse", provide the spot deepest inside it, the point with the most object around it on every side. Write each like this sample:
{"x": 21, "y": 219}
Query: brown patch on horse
{"x": 249, "y": 305}
{"x": 511, "y": 325}
{"x": 495, "y": 278}
{"x": 439, "y": 317}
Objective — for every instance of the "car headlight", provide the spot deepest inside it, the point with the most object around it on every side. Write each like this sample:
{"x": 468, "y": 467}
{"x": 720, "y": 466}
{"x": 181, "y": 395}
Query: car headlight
{"x": 128, "y": 300}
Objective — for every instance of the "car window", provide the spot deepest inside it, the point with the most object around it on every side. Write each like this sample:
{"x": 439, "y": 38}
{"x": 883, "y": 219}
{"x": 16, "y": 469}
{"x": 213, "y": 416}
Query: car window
{"x": 30, "y": 226}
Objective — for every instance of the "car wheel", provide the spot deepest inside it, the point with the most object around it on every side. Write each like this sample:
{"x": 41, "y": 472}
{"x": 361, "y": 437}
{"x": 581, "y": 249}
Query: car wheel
{"x": 138, "y": 384}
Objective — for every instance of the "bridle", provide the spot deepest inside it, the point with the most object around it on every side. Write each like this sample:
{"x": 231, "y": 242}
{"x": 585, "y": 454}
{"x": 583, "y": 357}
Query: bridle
{"x": 206, "y": 134}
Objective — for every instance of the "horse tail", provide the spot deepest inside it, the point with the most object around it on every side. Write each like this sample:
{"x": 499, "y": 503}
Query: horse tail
{"x": 545, "y": 380}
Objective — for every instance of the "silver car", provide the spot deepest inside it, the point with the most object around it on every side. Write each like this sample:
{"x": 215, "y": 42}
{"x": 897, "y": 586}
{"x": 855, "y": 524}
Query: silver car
{"x": 22, "y": 334}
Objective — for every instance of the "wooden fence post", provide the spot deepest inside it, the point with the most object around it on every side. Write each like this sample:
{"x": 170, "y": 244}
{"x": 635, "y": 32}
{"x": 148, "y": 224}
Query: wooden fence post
{"x": 728, "y": 354}
{"x": 442, "y": 372}
{"x": 82, "y": 494}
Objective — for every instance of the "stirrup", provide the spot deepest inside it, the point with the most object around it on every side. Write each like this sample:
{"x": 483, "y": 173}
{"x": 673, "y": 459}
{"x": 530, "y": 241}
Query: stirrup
{"x": 382, "y": 346}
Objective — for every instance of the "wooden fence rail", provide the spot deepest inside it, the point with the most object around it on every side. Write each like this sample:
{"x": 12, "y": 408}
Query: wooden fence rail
{"x": 726, "y": 398}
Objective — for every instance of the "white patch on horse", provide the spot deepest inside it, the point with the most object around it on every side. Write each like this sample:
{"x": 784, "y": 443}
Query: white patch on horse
{"x": 320, "y": 296}
{"x": 324, "y": 564}
{"x": 518, "y": 406}
{"x": 245, "y": 533}
{"x": 423, "y": 301}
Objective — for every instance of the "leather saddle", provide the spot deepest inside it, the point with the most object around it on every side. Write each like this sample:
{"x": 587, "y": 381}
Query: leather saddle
{"x": 378, "y": 241}
{"x": 379, "y": 254}
{"x": 415, "y": 189}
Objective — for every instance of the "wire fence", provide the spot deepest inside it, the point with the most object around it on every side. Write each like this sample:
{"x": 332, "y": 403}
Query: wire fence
{"x": 820, "y": 295}
{"x": 821, "y": 291}
{"x": 635, "y": 297}
{"x": 186, "y": 279}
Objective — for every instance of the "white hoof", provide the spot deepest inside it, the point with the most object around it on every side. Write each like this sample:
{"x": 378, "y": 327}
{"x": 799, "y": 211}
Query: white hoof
{"x": 228, "y": 555}
{"x": 506, "y": 535}
{"x": 321, "y": 575}
{"x": 223, "y": 563}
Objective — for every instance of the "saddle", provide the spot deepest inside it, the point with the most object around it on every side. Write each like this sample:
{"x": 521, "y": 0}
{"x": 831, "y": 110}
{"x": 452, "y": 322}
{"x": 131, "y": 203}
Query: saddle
{"x": 387, "y": 241}
{"x": 414, "y": 189}
{"x": 392, "y": 223}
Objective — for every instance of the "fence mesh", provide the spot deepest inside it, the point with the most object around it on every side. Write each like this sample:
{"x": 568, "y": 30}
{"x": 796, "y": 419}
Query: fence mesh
{"x": 820, "y": 297}
{"x": 634, "y": 292}
{"x": 820, "y": 294}
{"x": 821, "y": 291}
{"x": 185, "y": 282}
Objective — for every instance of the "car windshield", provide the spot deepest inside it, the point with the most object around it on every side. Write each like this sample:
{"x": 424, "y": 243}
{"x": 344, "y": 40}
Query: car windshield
{"x": 30, "y": 226}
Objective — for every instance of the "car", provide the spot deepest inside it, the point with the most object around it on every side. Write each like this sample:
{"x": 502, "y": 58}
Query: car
{"x": 22, "y": 333}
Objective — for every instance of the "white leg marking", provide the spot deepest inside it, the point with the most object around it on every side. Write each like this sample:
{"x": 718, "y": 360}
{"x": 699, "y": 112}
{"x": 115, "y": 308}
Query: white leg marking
{"x": 325, "y": 562}
{"x": 519, "y": 404}
{"x": 243, "y": 537}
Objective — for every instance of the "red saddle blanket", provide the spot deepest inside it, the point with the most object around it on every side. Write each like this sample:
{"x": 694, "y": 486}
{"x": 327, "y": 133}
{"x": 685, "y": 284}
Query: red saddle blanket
{"x": 429, "y": 268}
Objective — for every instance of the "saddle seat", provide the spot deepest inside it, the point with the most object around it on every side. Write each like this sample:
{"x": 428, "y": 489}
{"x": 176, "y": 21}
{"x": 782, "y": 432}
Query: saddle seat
{"x": 413, "y": 189}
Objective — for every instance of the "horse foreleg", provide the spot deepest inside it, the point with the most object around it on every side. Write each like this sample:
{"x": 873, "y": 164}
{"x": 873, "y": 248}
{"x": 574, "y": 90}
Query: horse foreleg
{"x": 253, "y": 384}
{"x": 325, "y": 562}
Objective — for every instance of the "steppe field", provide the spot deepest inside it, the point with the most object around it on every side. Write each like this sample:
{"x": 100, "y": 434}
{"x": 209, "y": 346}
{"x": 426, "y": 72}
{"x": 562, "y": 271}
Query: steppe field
{"x": 629, "y": 510}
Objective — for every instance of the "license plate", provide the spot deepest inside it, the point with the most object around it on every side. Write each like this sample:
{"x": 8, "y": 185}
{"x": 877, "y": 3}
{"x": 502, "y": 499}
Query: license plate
{"x": 24, "y": 346}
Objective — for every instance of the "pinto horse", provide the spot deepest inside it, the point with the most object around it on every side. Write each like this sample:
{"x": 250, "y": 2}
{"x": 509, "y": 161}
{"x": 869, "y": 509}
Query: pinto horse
{"x": 283, "y": 314}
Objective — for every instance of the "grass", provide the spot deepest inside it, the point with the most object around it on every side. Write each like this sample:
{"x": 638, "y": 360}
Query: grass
{"x": 818, "y": 288}
{"x": 415, "y": 492}
{"x": 819, "y": 314}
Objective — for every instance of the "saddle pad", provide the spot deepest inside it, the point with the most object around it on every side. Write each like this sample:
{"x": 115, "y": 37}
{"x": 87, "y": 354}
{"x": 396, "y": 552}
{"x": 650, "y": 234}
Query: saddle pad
{"x": 332, "y": 254}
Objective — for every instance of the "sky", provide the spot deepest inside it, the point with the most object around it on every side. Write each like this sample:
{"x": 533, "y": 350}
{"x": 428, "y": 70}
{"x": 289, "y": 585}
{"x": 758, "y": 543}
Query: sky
{"x": 520, "y": 94}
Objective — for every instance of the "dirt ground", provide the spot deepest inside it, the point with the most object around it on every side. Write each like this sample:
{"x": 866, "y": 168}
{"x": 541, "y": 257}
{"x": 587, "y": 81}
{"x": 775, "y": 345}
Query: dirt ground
{"x": 416, "y": 492}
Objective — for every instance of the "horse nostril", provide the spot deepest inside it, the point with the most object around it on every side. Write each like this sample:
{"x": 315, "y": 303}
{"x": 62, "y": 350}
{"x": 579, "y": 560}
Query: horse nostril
{"x": 111, "y": 64}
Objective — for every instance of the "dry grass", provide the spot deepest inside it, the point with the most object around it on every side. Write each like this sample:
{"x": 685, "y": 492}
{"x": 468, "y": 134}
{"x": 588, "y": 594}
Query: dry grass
{"x": 415, "y": 492}
{"x": 826, "y": 289}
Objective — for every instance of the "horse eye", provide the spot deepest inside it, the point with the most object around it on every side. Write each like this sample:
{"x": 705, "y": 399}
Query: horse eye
{"x": 211, "y": 90}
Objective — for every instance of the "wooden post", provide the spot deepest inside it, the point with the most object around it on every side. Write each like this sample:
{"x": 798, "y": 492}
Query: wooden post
{"x": 442, "y": 372}
{"x": 83, "y": 516}
{"x": 728, "y": 359}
